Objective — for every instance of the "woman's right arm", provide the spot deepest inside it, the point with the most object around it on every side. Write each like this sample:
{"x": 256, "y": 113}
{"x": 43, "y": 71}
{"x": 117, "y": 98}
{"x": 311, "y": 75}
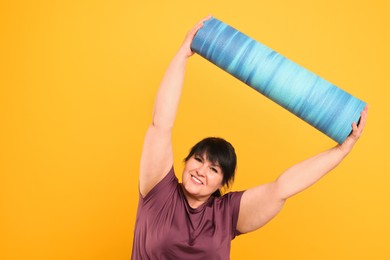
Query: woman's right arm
{"x": 157, "y": 154}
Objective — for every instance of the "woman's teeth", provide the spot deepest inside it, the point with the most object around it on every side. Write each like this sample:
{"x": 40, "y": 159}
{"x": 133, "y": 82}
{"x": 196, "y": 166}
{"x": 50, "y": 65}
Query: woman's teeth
{"x": 196, "y": 179}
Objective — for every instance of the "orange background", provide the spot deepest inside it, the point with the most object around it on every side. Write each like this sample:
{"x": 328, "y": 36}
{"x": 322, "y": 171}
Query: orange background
{"x": 78, "y": 81}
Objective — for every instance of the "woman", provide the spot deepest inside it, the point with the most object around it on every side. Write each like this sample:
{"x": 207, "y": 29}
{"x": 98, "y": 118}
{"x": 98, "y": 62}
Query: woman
{"x": 190, "y": 220}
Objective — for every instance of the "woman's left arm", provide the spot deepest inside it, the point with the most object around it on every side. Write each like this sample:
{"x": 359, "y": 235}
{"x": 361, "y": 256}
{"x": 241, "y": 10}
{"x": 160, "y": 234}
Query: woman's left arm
{"x": 260, "y": 204}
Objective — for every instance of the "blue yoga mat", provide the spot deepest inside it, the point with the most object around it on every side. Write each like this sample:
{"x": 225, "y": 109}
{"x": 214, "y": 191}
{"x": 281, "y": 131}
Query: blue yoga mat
{"x": 321, "y": 104}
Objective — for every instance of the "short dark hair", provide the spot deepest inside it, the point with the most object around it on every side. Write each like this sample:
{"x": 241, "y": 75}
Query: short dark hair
{"x": 217, "y": 150}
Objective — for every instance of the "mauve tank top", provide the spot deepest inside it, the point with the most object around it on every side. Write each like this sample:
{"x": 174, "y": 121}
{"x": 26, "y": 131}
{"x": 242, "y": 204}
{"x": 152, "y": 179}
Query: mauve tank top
{"x": 168, "y": 228}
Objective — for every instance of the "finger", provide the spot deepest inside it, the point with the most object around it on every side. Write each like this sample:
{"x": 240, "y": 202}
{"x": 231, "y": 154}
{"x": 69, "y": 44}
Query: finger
{"x": 363, "y": 118}
{"x": 354, "y": 128}
{"x": 204, "y": 19}
{"x": 201, "y": 22}
{"x": 207, "y": 18}
{"x": 195, "y": 29}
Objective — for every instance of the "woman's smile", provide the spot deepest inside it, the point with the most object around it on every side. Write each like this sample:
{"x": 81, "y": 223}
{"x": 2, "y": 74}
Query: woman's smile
{"x": 196, "y": 180}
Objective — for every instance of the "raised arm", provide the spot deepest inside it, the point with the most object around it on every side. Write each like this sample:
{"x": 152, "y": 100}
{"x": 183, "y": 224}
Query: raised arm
{"x": 260, "y": 204}
{"x": 157, "y": 155}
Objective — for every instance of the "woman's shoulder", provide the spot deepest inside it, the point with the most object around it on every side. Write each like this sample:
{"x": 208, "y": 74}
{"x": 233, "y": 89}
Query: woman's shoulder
{"x": 229, "y": 198}
{"x": 165, "y": 186}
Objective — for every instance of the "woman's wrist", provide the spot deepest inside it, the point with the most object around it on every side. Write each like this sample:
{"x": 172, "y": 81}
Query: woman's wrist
{"x": 181, "y": 56}
{"x": 343, "y": 149}
{"x": 184, "y": 52}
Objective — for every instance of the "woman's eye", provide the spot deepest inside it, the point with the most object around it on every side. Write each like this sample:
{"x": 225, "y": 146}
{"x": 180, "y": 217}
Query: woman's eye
{"x": 214, "y": 170}
{"x": 198, "y": 159}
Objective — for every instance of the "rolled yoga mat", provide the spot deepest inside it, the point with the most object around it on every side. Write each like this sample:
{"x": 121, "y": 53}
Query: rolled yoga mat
{"x": 313, "y": 99}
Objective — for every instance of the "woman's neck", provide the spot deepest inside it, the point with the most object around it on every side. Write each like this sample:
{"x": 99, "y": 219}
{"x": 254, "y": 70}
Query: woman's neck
{"x": 194, "y": 201}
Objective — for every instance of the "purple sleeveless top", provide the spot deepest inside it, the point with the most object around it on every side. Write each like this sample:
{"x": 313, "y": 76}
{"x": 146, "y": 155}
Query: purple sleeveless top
{"x": 168, "y": 228}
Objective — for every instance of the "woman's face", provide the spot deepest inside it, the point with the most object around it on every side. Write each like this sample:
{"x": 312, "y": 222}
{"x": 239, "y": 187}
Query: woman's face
{"x": 201, "y": 178}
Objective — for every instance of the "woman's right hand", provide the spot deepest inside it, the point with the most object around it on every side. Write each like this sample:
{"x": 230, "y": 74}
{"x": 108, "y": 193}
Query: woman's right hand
{"x": 185, "y": 48}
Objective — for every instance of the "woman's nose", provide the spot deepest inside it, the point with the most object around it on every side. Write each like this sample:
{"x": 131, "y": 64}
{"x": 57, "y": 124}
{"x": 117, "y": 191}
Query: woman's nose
{"x": 201, "y": 171}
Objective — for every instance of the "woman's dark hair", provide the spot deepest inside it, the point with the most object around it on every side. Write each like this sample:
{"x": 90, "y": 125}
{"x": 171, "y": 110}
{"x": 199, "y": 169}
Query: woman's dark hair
{"x": 217, "y": 150}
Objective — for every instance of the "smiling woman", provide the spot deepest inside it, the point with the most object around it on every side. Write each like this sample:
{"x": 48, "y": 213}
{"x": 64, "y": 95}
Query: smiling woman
{"x": 200, "y": 179}
{"x": 191, "y": 220}
{"x": 220, "y": 154}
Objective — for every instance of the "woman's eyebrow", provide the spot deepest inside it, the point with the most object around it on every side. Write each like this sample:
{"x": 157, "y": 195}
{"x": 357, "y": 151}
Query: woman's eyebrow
{"x": 199, "y": 155}
{"x": 216, "y": 165}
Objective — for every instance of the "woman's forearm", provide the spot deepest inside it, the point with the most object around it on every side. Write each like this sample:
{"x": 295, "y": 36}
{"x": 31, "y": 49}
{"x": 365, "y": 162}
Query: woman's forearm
{"x": 168, "y": 95}
{"x": 304, "y": 174}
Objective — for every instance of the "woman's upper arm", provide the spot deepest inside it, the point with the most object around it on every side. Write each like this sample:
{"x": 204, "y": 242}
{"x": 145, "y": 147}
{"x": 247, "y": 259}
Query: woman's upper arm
{"x": 156, "y": 159}
{"x": 258, "y": 206}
